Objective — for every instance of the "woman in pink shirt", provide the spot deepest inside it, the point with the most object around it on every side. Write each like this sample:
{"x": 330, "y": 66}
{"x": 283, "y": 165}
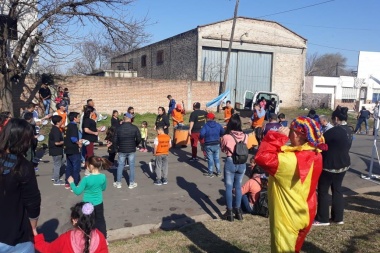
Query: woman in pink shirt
{"x": 233, "y": 173}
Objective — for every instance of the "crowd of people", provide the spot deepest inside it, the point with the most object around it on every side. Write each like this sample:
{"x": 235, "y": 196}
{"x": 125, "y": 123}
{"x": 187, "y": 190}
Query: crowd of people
{"x": 317, "y": 157}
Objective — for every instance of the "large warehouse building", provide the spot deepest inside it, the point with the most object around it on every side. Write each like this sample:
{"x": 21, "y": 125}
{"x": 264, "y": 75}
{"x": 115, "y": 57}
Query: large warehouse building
{"x": 265, "y": 56}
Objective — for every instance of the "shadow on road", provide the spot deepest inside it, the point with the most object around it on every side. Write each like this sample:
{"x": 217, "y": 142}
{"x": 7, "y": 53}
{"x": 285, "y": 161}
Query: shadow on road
{"x": 198, "y": 196}
{"x": 184, "y": 156}
{"x": 203, "y": 239}
{"x": 363, "y": 204}
{"x": 48, "y": 228}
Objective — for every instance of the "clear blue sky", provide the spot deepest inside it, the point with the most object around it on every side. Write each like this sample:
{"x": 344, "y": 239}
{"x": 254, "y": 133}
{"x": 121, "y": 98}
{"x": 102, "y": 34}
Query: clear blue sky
{"x": 345, "y": 26}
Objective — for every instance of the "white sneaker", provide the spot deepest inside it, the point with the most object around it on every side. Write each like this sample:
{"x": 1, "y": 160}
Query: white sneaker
{"x": 117, "y": 185}
{"x": 132, "y": 185}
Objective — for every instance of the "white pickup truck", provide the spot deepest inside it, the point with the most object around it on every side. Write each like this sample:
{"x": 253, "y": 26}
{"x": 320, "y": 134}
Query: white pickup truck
{"x": 250, "y": 98}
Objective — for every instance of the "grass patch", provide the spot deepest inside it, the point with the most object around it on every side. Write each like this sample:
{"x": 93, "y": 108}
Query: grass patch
{"x": 360, "y": 233}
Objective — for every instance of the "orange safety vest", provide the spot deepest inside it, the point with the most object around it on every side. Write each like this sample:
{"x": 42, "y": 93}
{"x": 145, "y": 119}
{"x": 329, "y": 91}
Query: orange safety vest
{"x": 63, "y": 122}
{"x": 257, "y": 122}
{"x": 227, "y": 113}
{"x": 178, "y": 115}
{"x": 163, "y": 145}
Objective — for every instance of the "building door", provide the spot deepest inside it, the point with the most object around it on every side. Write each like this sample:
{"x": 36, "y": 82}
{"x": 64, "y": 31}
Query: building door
{"x": 247, "y": 71}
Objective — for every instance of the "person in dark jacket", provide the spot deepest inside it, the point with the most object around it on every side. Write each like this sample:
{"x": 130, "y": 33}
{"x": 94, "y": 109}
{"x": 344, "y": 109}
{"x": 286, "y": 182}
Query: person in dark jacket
{"x": 89, "y": 130}
{"x": 126, "y": 139}
{"x": 115, "y": 121}
{"x": 162, "y": 120}
{"x": 363, "y": 116}
{"x": 336, "y": 161}
{"x": 272, "y": 125}
{"x": 211, "y": 133}
{"x": 72, "y": 146}
{"x": 20, "y": 198}
{"x": 56, "y": 149}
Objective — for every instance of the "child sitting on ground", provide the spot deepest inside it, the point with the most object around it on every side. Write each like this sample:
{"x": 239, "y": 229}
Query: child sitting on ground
{"x": 93, "y": 186}
{"x": 250, "y": 190}
{"x": 84, "y": 237}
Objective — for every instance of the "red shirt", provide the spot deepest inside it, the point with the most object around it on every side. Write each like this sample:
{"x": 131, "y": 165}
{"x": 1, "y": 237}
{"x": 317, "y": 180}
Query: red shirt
{"x": 72, "y": 241}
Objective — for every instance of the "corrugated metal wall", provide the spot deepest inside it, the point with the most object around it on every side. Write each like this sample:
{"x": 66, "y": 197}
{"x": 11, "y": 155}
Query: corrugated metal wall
{"x": 247, "y": 70}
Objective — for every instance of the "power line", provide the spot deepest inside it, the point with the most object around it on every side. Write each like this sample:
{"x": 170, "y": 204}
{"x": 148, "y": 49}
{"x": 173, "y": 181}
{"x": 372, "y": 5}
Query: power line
{"x": 344, "y": 49}
{"x": 331, "y": 27}
{"x": 296, "y": 9}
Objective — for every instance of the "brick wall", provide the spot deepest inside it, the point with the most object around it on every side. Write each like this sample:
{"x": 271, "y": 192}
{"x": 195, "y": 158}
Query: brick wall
{"x": 179, "y": 58}
{"x": 145, "y": 95}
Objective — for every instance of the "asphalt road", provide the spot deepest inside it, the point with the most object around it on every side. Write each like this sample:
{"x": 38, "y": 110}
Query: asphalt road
{"x": 188, "y": 193}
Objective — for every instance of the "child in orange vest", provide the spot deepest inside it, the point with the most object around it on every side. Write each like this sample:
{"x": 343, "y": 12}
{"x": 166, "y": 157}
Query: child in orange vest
{"x": 162, "y": 143}
{"x": 228, "y": 111}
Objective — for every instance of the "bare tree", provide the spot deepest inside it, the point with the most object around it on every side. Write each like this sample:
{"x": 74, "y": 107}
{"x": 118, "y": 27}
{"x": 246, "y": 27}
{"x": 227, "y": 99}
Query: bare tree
{"x": 47, "y": 25}
{"x": 326, "y": 65}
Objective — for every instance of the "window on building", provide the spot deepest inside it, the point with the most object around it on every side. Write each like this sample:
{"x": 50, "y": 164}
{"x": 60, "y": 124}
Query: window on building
{"x": 375, "y": 95}
{"x": 160, "y": 57}
{"x": 349, "y": 95}
{"x": 143, "y": 61}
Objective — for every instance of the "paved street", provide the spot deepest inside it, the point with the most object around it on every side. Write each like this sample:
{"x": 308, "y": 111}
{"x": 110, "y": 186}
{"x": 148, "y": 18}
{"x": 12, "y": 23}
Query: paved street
{"x": 188, "y": 193}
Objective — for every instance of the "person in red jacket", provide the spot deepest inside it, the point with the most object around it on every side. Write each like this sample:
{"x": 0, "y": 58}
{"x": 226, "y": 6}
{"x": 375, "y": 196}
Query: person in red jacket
{"x": 83, "y": 238}
{"x": 293, "y": 177}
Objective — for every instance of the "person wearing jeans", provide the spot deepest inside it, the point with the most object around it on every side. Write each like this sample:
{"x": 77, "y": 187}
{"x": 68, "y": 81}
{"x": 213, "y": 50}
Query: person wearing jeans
{"x": 122, "y": 158}
{"x": 363, "y": 116}
{"x": 233, "y": 176}
{"x": 210, "y": 134}
{"x": 126, "y": 139}
{"x": 45, "y": 96}
{"x": 233, "y": 173}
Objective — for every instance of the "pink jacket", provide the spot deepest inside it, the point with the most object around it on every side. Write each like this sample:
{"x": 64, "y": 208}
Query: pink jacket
{"x": 228, "y": 142}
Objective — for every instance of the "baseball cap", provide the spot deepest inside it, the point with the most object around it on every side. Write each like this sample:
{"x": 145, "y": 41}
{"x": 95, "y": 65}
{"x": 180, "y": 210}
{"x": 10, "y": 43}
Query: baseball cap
{"x": 210, "y": 115}
{"x": 128, "y": 115}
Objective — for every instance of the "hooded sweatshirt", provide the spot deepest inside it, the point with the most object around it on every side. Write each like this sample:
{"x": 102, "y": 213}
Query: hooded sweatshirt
{"x": 211, "y": 133}
{"x": 228, "y": 142}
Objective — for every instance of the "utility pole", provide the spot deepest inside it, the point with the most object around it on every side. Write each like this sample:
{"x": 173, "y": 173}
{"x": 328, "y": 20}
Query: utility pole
{"x": 336, "y": 69}
{"x": 223, "y": 85}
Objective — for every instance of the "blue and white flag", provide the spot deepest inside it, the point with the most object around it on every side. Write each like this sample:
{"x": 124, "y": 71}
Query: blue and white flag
{"x": 218, "y": 100}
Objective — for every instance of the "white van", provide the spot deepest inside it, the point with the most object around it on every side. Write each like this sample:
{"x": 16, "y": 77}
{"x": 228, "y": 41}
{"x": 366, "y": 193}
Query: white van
{"x": 250, "y": 98}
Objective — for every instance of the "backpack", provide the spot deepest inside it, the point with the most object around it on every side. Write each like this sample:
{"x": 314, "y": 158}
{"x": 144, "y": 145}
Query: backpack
{"x": 261, "y": 205}
{"x": 240, "y": 154}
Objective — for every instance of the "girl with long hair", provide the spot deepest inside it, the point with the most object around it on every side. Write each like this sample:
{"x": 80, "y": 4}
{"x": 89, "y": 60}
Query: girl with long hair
{"x": 233, "y": 173}
{"x": 20, "y": 198}
{"x": 92, "y": 187}
{"x": 162, "y": 120}
{"x": 84, "y": 237}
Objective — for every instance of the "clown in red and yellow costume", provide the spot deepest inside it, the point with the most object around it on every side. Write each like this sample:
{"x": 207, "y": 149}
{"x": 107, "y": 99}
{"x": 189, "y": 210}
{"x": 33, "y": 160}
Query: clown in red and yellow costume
{"x": 294, "y": 172}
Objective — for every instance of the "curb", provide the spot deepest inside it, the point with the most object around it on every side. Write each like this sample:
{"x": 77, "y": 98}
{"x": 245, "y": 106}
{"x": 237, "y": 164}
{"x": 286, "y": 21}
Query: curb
{"x": 131, "y": 232}
{"x": 183, "y": 220}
